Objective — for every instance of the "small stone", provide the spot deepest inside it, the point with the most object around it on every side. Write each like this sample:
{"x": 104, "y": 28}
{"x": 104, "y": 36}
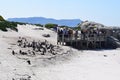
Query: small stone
{"x": 105, "y": 55}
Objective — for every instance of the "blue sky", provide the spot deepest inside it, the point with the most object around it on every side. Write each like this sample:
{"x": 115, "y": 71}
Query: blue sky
{"x": 103, "y": 11}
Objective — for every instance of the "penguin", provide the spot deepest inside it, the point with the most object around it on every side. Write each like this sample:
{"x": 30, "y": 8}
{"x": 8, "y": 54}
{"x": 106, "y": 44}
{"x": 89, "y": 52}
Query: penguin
{"x": 13, "y": 52}
{"x": 29, "y": 62}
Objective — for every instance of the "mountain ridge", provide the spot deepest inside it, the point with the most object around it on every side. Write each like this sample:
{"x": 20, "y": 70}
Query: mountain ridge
{"x": 43, "y": 20}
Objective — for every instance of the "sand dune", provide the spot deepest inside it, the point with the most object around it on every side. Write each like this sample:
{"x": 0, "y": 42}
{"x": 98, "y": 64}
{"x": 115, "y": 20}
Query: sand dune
{"x": 67, "y": 64}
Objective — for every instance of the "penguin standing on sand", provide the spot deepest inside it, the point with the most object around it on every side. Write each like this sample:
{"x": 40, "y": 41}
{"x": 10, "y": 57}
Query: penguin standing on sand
{"x": 29, "y": 62}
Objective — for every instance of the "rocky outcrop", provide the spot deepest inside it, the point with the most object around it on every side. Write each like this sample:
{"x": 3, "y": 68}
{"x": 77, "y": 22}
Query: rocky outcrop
{"x": 89, "y": 24}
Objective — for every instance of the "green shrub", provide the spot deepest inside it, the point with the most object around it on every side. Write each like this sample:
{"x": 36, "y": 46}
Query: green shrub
{"x": 2, "y": 19}
{"x": 5, "y": 24}
{"x": 50, "y": 25}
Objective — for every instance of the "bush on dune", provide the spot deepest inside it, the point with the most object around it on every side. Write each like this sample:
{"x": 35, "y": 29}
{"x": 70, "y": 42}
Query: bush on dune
{"x": 2, "y": 19}
{"x": 50, "y": 25}
{"x": 5, "y": 24}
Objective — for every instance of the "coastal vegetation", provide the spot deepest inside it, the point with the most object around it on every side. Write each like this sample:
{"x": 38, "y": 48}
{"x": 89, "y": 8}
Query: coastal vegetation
{"x": 50, "y": 25}
{"x": 12, "y": 25}
{"x": 5, "y": 24}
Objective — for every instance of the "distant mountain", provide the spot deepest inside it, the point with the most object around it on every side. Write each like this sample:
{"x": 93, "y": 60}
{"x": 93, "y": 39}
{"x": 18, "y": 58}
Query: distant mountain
{"x": 42, "y": 20}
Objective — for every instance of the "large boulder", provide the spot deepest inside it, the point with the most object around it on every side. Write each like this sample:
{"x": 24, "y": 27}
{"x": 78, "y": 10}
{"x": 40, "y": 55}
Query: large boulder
{"x": 89, "y": 24}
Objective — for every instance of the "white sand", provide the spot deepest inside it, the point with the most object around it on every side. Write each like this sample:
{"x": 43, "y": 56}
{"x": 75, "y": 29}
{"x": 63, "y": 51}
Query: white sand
{"x": 81, "y": 65}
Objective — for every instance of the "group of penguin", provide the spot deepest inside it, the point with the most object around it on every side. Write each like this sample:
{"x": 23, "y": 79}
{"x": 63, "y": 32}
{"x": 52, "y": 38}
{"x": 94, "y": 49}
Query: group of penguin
{"x": 34, "y": 47}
